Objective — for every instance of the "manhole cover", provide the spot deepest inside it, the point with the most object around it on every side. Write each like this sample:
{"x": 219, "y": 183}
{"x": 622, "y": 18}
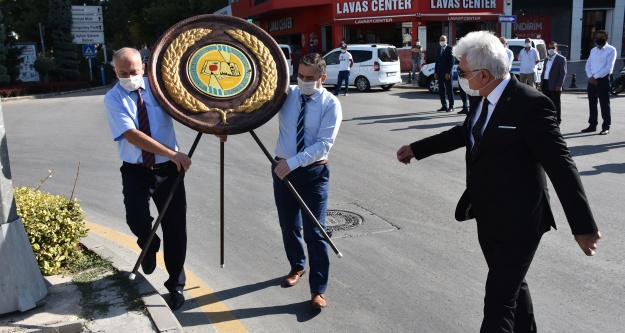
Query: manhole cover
{"x": 342, "y": 220}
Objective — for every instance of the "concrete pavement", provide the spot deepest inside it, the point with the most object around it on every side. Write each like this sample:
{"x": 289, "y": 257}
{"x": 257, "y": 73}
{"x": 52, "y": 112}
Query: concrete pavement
{"x": 61, "y": 310}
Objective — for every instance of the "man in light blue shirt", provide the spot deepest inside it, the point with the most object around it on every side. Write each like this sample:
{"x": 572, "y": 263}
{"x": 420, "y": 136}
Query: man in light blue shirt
{"x": 142, "y": 179}
{"x": 599, "y": 66}
{"x": 309, "y": 121}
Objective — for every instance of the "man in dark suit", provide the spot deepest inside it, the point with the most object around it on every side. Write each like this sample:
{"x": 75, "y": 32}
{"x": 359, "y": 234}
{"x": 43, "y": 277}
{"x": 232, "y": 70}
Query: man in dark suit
{"x": 442, "y": 72}
{"x": 552, "y": 78}
{"x": 511, "y": 138}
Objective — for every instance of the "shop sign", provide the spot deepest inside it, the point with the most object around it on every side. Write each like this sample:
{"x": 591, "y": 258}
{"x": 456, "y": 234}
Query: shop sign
{"x": 283, "y": 24}
{"x": 463, "y": 4}
{"x": 366, "y": 6}
{"x": 532, "y": 26}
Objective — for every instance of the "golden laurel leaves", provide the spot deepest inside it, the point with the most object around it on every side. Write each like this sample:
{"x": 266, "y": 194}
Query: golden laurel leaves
{"x": 171, "y": 78}
{"x": 171, "y": 64}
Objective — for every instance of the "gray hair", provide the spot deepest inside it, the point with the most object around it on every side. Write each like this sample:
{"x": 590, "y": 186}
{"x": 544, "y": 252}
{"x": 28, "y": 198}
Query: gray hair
{"x": 483, "y": 50}
{"x": 128, "y": 52}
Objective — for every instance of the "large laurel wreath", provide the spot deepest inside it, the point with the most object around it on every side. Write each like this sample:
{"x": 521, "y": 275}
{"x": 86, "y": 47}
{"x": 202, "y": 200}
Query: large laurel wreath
{"x": 171, "y": 77}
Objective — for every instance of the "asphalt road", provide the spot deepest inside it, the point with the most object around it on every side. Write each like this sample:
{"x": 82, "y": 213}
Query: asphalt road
{"x": 409, "y": 267}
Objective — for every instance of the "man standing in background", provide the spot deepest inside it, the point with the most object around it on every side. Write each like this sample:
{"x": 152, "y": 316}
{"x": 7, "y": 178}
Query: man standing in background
{"x": 529, "y": 58}
{"x": 599, "y": 66}
{"x": 417, "y": 57}
{"x": 346, "y": 61}
{"x": 553, "y": 77}
{"x": 442, "y": 72}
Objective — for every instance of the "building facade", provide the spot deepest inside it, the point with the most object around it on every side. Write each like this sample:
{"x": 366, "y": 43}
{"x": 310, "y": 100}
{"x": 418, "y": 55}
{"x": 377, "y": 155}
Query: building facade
{"x": 321, "y": 25}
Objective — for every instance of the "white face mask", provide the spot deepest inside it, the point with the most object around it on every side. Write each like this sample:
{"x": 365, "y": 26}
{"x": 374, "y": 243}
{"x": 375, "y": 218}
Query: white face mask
{"x": 551, "y": 52}
{"x": 307, "y": 88}
{"x": 464, "y": 84}
{"x": 343, "y": 51}
{"x": 131, "y": 83}
{"x": 442, "y": 43}
{"x": 528, "y": 44}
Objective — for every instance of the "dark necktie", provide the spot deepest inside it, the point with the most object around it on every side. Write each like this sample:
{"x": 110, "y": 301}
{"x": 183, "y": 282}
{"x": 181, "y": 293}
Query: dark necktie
{"x": 476, "y": 131}
{"x": 144, "y": 126}
{"x": 300, "y": 123}
{"x": 442, "y": 49}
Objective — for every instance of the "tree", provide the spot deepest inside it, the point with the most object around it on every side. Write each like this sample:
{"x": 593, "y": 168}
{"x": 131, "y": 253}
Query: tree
{"x": 4, "y": 51}
{"x": 65, "y": 51}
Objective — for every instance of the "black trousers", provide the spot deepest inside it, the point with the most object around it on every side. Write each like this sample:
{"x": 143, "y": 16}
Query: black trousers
{"x": 444, "y": 87}
{"x": 507, "y": 303}
{"x": 554, "y": 96}
{"x": 599, "y": 92}
{"x": 139, "y": 185}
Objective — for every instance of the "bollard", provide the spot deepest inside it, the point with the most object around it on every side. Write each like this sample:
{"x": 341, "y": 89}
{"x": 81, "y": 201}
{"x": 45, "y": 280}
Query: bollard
{"x": 573, "y": 81}
{"x": 102, "y": 73}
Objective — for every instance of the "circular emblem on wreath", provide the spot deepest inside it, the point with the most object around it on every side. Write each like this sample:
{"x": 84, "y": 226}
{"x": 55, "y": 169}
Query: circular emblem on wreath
{"x": 218, "y": 74}
{"x": 219, "y": 70}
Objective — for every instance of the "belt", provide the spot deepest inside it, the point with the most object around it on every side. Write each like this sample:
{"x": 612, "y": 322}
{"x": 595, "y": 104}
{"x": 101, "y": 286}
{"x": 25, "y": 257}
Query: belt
{"x": 155, "y": 167}
{"x": 321, "y": 162}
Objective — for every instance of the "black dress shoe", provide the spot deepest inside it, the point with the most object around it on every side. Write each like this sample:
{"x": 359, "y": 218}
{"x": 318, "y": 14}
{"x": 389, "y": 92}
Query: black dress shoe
{"x": 444, "y": 108}
{"x": 604, "y": 132}
{"x": 176, "y": 299}
{"x": 463, "y": 111}
{"x": 589, "y": 129}
{"x": 149, "y": 263}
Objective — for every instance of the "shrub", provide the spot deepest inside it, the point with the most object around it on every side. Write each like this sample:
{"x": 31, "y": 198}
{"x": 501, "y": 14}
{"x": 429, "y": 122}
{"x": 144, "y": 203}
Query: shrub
{"x": 54, "y": 226}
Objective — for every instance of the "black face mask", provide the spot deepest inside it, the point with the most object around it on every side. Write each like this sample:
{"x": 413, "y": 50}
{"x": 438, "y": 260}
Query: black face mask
{"x": 600, "y": 41}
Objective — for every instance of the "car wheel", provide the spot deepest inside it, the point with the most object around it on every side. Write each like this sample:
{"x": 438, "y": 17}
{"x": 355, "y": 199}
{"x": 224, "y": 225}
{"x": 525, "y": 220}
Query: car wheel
{"x": 362, "y": 84}
{"x": 432, "y": 85}
{"x": 387, "y": 87}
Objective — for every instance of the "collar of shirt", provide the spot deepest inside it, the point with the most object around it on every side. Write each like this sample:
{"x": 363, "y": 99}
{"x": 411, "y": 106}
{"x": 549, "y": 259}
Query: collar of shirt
{"x": 493, "y": 99}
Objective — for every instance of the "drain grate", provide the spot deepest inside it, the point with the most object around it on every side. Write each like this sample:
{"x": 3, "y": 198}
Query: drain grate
{"x": 342, "y": 220}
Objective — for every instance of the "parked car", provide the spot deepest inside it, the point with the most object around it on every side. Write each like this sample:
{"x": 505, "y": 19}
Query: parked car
{"x": 374, "y": 65}
{"x": 286, "y": 49}
{"x": 426, "y": 76}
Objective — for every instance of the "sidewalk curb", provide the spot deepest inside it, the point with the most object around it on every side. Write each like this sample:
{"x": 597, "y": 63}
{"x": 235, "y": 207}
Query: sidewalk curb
{"x": 28, "y": 97}
{"x": 160, "y": 313}
{"x": 75, "y": 326}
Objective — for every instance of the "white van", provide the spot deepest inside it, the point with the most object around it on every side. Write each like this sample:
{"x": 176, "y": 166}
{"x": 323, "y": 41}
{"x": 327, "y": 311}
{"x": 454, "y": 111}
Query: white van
{"x": 516, "y": 45}
{"x": 374, "y": 65}
{"x": 286, "y": 49}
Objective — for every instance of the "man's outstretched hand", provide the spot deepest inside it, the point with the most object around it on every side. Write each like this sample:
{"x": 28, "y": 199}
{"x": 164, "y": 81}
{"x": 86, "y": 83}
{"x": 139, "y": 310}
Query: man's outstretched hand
{"x": 588, "y": 242}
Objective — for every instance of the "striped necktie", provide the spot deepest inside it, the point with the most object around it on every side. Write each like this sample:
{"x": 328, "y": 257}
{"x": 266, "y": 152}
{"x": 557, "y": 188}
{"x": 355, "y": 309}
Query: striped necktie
{"x": 300, "y": 123}
{"x": 144, "y": 126}
{"x": 476, "y": 131}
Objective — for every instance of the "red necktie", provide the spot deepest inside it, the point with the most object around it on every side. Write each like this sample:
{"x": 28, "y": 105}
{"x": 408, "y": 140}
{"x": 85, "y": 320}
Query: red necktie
{"x": 144, "y": 126}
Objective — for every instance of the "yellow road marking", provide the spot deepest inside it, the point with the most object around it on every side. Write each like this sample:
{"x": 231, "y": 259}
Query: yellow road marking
{"x": 217, "y": 312}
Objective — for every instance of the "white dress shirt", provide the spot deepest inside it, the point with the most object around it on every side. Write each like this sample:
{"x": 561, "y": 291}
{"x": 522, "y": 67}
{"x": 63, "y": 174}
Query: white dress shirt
{"x": 528, "y": 60}
{"x": 321, "y": 125}
{"x": 493, "y": 99}
{"x": 600, "y": 63}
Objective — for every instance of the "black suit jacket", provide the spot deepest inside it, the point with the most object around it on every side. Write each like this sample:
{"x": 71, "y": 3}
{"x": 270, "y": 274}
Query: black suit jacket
{"x": 444, "y": 62}
{"x": 506, "y": 183}
{"x": 557, "y": 73}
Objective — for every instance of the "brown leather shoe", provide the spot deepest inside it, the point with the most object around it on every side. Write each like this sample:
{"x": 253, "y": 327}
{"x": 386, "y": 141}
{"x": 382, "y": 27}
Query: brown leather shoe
{"x": 319, "y": 301}
{"x": 293, "y": 278}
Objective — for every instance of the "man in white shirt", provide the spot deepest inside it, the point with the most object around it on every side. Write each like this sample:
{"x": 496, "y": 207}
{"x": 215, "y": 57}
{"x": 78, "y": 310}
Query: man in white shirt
{"x": 529, "y": 58}
{"x": 346, "y": 61}
{"x": 599, "y": 66}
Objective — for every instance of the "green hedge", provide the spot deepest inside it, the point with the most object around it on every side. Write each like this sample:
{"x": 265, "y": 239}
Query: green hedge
{"x": 54, "y": 226}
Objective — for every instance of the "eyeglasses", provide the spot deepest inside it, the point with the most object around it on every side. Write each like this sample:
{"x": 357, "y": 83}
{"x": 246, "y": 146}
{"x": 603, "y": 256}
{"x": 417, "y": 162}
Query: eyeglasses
{"x": 462, "y": 73}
